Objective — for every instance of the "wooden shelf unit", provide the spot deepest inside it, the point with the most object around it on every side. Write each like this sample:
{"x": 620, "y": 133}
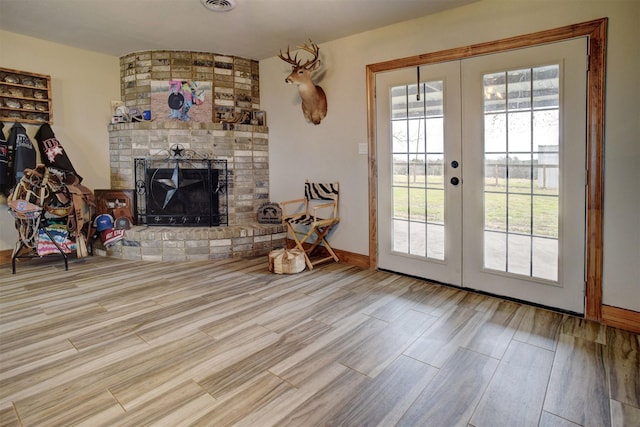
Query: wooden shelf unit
{"x": 25, "y": 97}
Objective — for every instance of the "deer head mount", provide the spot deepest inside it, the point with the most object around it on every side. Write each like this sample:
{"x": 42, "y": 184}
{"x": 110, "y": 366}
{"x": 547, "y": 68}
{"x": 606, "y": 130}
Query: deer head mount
{"x": 314, "y": 100}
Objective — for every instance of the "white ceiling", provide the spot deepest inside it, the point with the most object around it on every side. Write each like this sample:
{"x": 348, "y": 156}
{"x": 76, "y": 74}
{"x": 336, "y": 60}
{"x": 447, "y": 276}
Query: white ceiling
{"x": 255, "y": 29}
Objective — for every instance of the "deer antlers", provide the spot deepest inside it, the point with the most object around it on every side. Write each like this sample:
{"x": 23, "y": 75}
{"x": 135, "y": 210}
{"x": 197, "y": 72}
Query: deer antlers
{"x": 295, "y": 62}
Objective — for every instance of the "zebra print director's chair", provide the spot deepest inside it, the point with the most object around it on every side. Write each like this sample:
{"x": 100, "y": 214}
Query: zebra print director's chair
{"x": 316, "y": 214}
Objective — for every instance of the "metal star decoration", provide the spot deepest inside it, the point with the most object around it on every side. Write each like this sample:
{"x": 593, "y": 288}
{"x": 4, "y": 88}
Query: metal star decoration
{"x": 177, "y": 150}
{"x": 175, "y": 183}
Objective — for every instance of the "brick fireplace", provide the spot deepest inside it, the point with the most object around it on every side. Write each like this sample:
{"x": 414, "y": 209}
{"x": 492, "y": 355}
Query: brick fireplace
{"x": 244, "y": 147}
{"x": 246, "y": 151}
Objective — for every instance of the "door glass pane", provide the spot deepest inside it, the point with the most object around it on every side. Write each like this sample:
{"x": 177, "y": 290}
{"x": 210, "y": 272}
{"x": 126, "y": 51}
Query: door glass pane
{"x": 418, "y": 206}
{"x": 435, "y": 135}
{"x": 495, "y": 132}
{"x": 416, "y": 139}
{"x": 519, "y": 90}
{"x": 417, "y": 127}
{"x": 417, "y": 241}
{"x": 417, "y": 170}
{"x": 435, "y": 171}
{"x": 518, "y": 254}
{"x": 400, "y": 171}
{"x": 400, "y": 141}
{"x": 522, "y": 170}
{"x": 401, "y": 202}
{"x": 519, "y": 132}
{"x": 495, "y": 206}
{"x": 401, "y": 230}
{"x": 544, "y": 263}
{"x": 398, "y": 102}
{"x": 435, "y": 241}
{"x": 545, "y": 219}
{"x": 495, "y": 247}
{"x": 435, "y": 206}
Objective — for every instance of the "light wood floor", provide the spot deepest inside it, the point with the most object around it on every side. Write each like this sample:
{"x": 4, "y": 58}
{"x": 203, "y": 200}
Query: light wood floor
{"x": 124, "y": 343}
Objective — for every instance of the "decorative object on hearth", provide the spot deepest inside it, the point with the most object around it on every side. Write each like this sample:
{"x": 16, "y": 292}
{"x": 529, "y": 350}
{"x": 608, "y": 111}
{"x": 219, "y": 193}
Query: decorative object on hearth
{"x": 122, "y": 223}
{"x": 135, "y": 115}
{"x": 234, "y": 117}
{"x": 270, "y": 213}
{"x": 111, "y": 237}
{"x": 259, "y": 118}
{"x": 104, "y": 225}
{"x": 103, "y": 222}
{"x": 119, "y": 112}
{"x": 117, "y": 203}
{"x": 314, "y": 100}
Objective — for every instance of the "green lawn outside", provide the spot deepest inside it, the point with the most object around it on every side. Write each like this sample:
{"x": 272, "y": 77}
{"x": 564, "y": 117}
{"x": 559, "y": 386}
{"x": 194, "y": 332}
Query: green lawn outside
{"x": 428, "y": 204}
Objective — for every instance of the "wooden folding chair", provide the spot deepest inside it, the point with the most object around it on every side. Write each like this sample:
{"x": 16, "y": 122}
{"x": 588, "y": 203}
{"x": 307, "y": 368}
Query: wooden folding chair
{"x": 315, "y": 215}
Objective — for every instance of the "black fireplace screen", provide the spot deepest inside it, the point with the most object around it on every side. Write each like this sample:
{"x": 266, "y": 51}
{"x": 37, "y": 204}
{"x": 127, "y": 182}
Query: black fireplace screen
{"x": 181, "y": 191}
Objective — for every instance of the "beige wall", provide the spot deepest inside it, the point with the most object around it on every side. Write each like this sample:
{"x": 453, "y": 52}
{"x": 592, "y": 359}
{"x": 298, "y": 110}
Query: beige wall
{"x": 83, "y": 85}
{"x": 329, "y": 151}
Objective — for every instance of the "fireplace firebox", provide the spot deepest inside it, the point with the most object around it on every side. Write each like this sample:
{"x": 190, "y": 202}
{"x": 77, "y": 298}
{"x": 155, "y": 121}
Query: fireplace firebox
{"x": 180, "y": 188}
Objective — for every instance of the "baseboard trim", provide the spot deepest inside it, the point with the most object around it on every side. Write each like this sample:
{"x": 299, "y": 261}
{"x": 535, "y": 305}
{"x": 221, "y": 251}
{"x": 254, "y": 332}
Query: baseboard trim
{"x": 5, "y": 256}
{"x": 621, "y": 318}
{"x": 351, "y": 258}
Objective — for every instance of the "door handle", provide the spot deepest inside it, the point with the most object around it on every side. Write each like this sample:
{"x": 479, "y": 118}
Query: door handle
{"x": 455, "y": 180}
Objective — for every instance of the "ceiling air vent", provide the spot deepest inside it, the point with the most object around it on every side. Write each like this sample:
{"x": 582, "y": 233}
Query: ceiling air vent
{"x": 219, "y": 5}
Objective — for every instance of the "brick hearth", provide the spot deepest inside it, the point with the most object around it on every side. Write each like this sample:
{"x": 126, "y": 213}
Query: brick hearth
{"x": 197, "y": 243}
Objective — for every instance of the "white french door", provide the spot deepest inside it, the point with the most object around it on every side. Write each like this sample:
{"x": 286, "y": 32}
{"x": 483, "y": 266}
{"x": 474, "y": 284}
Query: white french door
{"x": 417, "y": 141}
{"x": 481, "y": 173}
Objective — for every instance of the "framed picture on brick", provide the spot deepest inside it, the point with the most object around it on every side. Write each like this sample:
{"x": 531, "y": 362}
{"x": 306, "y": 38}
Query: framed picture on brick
{"x": 259, "y": 118}
{"x": 181, "y": 100}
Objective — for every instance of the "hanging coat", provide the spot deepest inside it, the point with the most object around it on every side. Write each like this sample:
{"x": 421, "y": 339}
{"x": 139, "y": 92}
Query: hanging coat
{"x": 24, "y": 152}
{"x": 51, "y": 152}
{"x": 4, "y": 162}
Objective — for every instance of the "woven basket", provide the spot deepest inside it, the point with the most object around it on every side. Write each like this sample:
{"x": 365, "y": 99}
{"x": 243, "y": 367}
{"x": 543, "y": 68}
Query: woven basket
{"x": 286, "y": 261}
